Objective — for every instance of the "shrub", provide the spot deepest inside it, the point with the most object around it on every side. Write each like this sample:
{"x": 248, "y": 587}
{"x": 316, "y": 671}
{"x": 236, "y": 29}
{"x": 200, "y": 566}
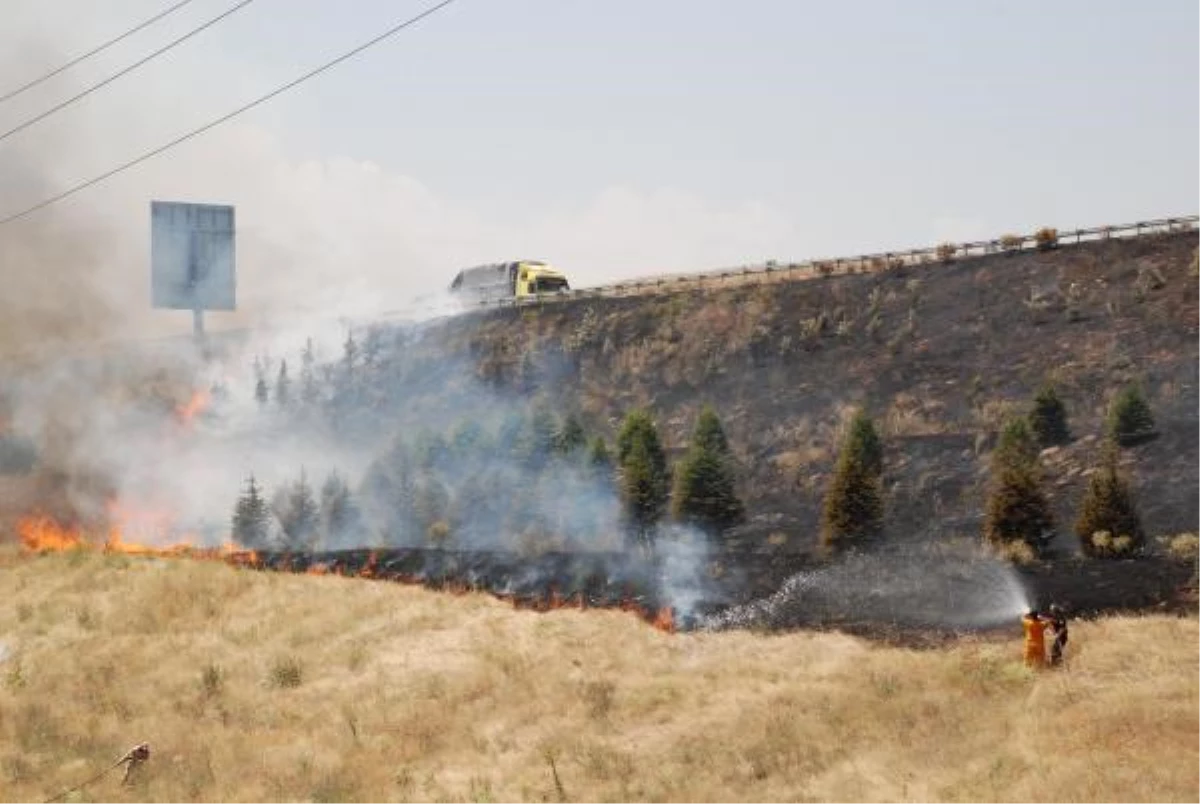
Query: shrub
{"x": 212, "y": 680}
{"x": 1048, "y": 419}
{"x": 1046, "y": 238}
{"x": 1184, "y": 546}
{"x": 285, "y": 673}
{"x": 853, "y": 508}
{"x": 1130, "y": 421}
{"x": 1016, "y": 552}
{"x": 1103, "y": 544}
{"x": 1108, "y": 524}
{"x": 946, "y": 252}
{"x": 439, "y": 533}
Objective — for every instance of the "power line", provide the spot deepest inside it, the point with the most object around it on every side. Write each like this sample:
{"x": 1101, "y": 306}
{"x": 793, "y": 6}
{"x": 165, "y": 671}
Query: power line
{"x": 128, "y": 69}
{"x": 94, "y": 51}
{"x": 256, "y": 102}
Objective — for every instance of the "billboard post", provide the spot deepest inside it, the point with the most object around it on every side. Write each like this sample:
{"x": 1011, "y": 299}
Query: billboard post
{"x": 192, "y": 259}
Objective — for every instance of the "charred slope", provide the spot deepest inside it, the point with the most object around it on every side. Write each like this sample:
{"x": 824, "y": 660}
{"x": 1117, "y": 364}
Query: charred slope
{"x": 938, "y": 354}
{"x": 902, "y": 597}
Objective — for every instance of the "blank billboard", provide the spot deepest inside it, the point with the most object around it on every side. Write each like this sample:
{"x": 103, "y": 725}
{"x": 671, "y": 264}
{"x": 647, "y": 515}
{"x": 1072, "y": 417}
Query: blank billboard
{"x": 192, "y": 256}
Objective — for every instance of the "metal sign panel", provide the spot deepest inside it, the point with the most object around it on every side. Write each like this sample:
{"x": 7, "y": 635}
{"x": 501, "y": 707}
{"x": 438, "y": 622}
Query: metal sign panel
{"x": 192, "y": 256}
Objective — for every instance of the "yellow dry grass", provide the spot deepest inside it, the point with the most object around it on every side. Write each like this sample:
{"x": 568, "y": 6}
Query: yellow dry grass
{"x": 254, "y": 686}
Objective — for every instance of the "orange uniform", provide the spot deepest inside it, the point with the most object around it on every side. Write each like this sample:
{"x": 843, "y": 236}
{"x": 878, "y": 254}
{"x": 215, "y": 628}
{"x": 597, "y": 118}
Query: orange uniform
{"x": 1035, "y": 640}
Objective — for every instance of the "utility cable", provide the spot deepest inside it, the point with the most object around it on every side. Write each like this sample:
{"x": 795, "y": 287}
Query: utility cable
{"x": 125, "y": 71}
{"x": 14, "y": 93}
{"x": 213, "y": 124}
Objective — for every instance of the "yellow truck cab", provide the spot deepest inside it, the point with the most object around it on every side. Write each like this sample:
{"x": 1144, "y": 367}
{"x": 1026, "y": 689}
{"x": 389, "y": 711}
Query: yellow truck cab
{"x": 509, "y": 280}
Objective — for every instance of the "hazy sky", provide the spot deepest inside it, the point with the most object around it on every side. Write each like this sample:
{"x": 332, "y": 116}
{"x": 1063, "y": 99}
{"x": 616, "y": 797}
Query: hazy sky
{"x": 611, "y": 137}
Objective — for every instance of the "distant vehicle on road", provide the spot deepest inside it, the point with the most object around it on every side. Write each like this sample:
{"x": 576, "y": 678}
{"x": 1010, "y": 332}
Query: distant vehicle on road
{"x": 525, "y": 279}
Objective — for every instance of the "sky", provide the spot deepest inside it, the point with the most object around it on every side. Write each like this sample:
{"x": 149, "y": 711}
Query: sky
{"x": 614, "y": 139}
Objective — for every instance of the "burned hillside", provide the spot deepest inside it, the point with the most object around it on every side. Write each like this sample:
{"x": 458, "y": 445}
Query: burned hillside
{"x": 938, "y": 354}
{"x": 499, "y": 440}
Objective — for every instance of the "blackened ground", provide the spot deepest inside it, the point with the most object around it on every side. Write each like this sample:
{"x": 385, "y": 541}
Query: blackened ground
{"x": 597, "y": 579}
{"x": 897, "y": 598}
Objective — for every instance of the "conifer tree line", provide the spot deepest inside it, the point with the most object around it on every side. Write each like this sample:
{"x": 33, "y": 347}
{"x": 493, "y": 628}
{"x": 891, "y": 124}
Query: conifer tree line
{"x": 1018, "y": 510}
{"x": 538, "y": 478}
{"x": 531, "y": 479}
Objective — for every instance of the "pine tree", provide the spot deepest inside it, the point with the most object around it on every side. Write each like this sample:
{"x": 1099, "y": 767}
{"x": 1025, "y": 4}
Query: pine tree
{"x": 467, "y": 440}
{"x": 1017, "y": 508}
{"x": 431, "y": 506}
{"x": 308, "y": 380}
{"x": 705, "y": 494}
{"x": 1130, "y": 421}
{"x": 349, "y": 353}
{"x": 283, "y": 386}
{"x": 372, "y": 346}
{"x": 639, "y": 427}
{"x": 388, "y": 492}
{"x": 1016, "y": 446}
{"x": 431, "y": 450}
{"x": 261, "y": 392}
{"x": 570, "y": 437}
{"x": 645, "y": 481}
{"x": 1108, "y": 524}
{"x": 863, "y": 441}
{"x": 536, "y": 438}
{"x": 599, "y": 460}
{"x": 298, "y": 514}
{"x": 340, "y": 520}
{"x": 475, "y": 511}
{"x": 527, "y": 373}
{"x": 251, "y": 517}
{"x": 853, "y": 507}
{"x": 1048, "y": 419}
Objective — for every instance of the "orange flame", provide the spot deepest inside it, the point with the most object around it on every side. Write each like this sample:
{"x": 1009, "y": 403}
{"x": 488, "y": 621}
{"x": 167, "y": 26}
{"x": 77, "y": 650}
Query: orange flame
{"x": 664, "y": 620}
{"x": 42, "y": 534}
{"x": 197, "y": 404}
{"x": 368, "y": 571}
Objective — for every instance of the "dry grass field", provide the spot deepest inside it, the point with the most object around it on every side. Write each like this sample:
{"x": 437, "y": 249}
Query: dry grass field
{"x": 252, "y": 686}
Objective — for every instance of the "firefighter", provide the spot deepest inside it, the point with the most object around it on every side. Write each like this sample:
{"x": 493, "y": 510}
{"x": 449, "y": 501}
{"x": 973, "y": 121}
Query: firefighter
{"x": 1058, "y": 628}
{"x": 1035, "y": 638}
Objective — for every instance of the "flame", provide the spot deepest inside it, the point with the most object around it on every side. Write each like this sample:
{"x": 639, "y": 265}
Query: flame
{"x": 368, "y": 570}
{"x": 664, "y": 620}
{"x": 197, "y": 404}
{"x": 43, "y": 534}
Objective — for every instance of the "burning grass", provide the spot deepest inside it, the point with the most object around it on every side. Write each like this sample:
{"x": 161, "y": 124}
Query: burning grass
{"x": 412, "y": 695}
{"x": 542, "y": 583}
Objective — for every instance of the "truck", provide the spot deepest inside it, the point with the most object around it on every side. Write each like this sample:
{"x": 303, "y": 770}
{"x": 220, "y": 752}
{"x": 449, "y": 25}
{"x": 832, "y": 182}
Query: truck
{"x": 524, "y": 279}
